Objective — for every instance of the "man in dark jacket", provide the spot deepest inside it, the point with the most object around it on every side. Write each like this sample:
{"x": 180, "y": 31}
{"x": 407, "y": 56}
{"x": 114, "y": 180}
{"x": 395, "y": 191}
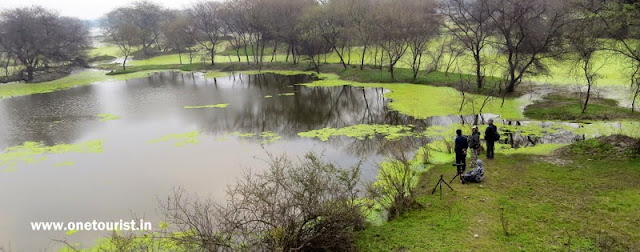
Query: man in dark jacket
{"x": 461, "y": 146}
{"x": 491, "y": 136}
{"x": 474, "y": 143}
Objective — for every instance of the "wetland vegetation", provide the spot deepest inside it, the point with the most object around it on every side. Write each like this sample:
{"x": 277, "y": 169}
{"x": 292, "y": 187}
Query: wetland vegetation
{"x": 279, "y": 125}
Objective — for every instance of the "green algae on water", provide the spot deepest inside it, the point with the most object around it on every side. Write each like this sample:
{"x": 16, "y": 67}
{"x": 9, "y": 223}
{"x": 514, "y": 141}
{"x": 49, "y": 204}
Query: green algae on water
{"x": 424, "y": 101}
{"x": 32, "y": 152}
{"x": 287, "y": 94}
{"x": 269, "y": 137}
{"x": 180, "y": 139}
{"x": 361, "y": 132}
{"x": 79, "y": 79}
{"x": 222, "y": 105}
{"x": 107, "y": 117}
{"x": 268, "y": 96}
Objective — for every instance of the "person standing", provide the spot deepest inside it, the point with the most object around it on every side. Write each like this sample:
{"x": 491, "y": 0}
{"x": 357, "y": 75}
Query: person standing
{"x": 474, "y": 142}
{"x": 491, "y": 136}
{"x": 461, "y": 146}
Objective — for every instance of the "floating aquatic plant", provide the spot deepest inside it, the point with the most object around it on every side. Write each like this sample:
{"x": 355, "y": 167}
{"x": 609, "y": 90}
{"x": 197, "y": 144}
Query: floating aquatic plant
{"x": 32, "y": 152}
{"x": 180, "y": 139}
{"x": 222, "y": 105}
{"x": 361, "y": 132}
{"x": 107, "y": 117}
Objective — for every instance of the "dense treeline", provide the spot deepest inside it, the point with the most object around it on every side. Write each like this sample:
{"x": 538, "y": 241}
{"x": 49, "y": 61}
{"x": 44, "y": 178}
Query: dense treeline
{"x": 525, "y": 33}
{"x": 430, "y": 34}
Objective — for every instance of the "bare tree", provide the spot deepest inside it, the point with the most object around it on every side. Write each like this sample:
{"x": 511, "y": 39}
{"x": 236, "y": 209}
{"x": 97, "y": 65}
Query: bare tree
{"x": 360, "y": 23}
{"x": 122, "y": 34}
{"x": 208, "y": 25}
{"x": 469, "y": 21}
{"x": 444, "y": 54}
{"x": 146, "y": 19}
{"x": 179, "y": 34}
{"x": 235, "y": 15}
{"x": 423, "y": 26}
{"x": 391, "y": 27}
{"x": 528, "y": 31}
{"x": 620, "y": 21}
{"x": 313, "y": 39}
{"x": 37, "y": 37}
{"x": 584, "y": 42}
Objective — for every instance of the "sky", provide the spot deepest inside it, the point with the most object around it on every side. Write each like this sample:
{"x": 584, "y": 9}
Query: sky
{"x": 86, "y": 9}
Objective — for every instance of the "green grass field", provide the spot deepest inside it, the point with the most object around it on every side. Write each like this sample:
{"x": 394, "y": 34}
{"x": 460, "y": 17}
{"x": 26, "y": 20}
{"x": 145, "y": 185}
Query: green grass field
{"x": 564, "y": 107}
{"x": 526, "y": 203}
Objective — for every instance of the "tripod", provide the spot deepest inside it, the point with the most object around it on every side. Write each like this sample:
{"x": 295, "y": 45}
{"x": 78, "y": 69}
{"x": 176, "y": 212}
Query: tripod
{"x": 459, "y": 172}
{"x": 440, "y": 182}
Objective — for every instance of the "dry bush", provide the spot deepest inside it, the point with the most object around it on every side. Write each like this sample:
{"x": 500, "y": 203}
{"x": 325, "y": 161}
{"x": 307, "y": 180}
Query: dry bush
{"x": 307, "y": 205}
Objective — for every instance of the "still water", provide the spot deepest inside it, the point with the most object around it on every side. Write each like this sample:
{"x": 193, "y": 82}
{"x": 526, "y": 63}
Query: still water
{"x": 131, "y": 174}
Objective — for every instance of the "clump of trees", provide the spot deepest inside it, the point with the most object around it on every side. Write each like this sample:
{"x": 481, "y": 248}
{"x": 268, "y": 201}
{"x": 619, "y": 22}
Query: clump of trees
{"x": 35, "y": 39}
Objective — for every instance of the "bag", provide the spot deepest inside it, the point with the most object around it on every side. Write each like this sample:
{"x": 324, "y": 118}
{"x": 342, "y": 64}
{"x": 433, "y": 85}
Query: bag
{"x": 496, "y": 136}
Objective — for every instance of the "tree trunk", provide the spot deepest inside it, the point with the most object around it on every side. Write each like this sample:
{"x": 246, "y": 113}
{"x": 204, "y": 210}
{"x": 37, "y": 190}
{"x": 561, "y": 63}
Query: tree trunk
{"x": 479, "y": 78}
{"x": 589, "y": 80}
{"x": 124, "y": 63}
{"x": 30, "y": 70}
{"x": 275, "y": 48}
{"x": 364, "y": 52}
{"x": 340, "y": 56}
{"x": 246, "y": 53}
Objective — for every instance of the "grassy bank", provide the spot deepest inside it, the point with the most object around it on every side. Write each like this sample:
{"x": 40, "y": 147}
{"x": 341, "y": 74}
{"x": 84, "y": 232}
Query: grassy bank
{"x": 74, "y": 80}
{"x": 567, "y": 107}
{"x": 527, "y": 203}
